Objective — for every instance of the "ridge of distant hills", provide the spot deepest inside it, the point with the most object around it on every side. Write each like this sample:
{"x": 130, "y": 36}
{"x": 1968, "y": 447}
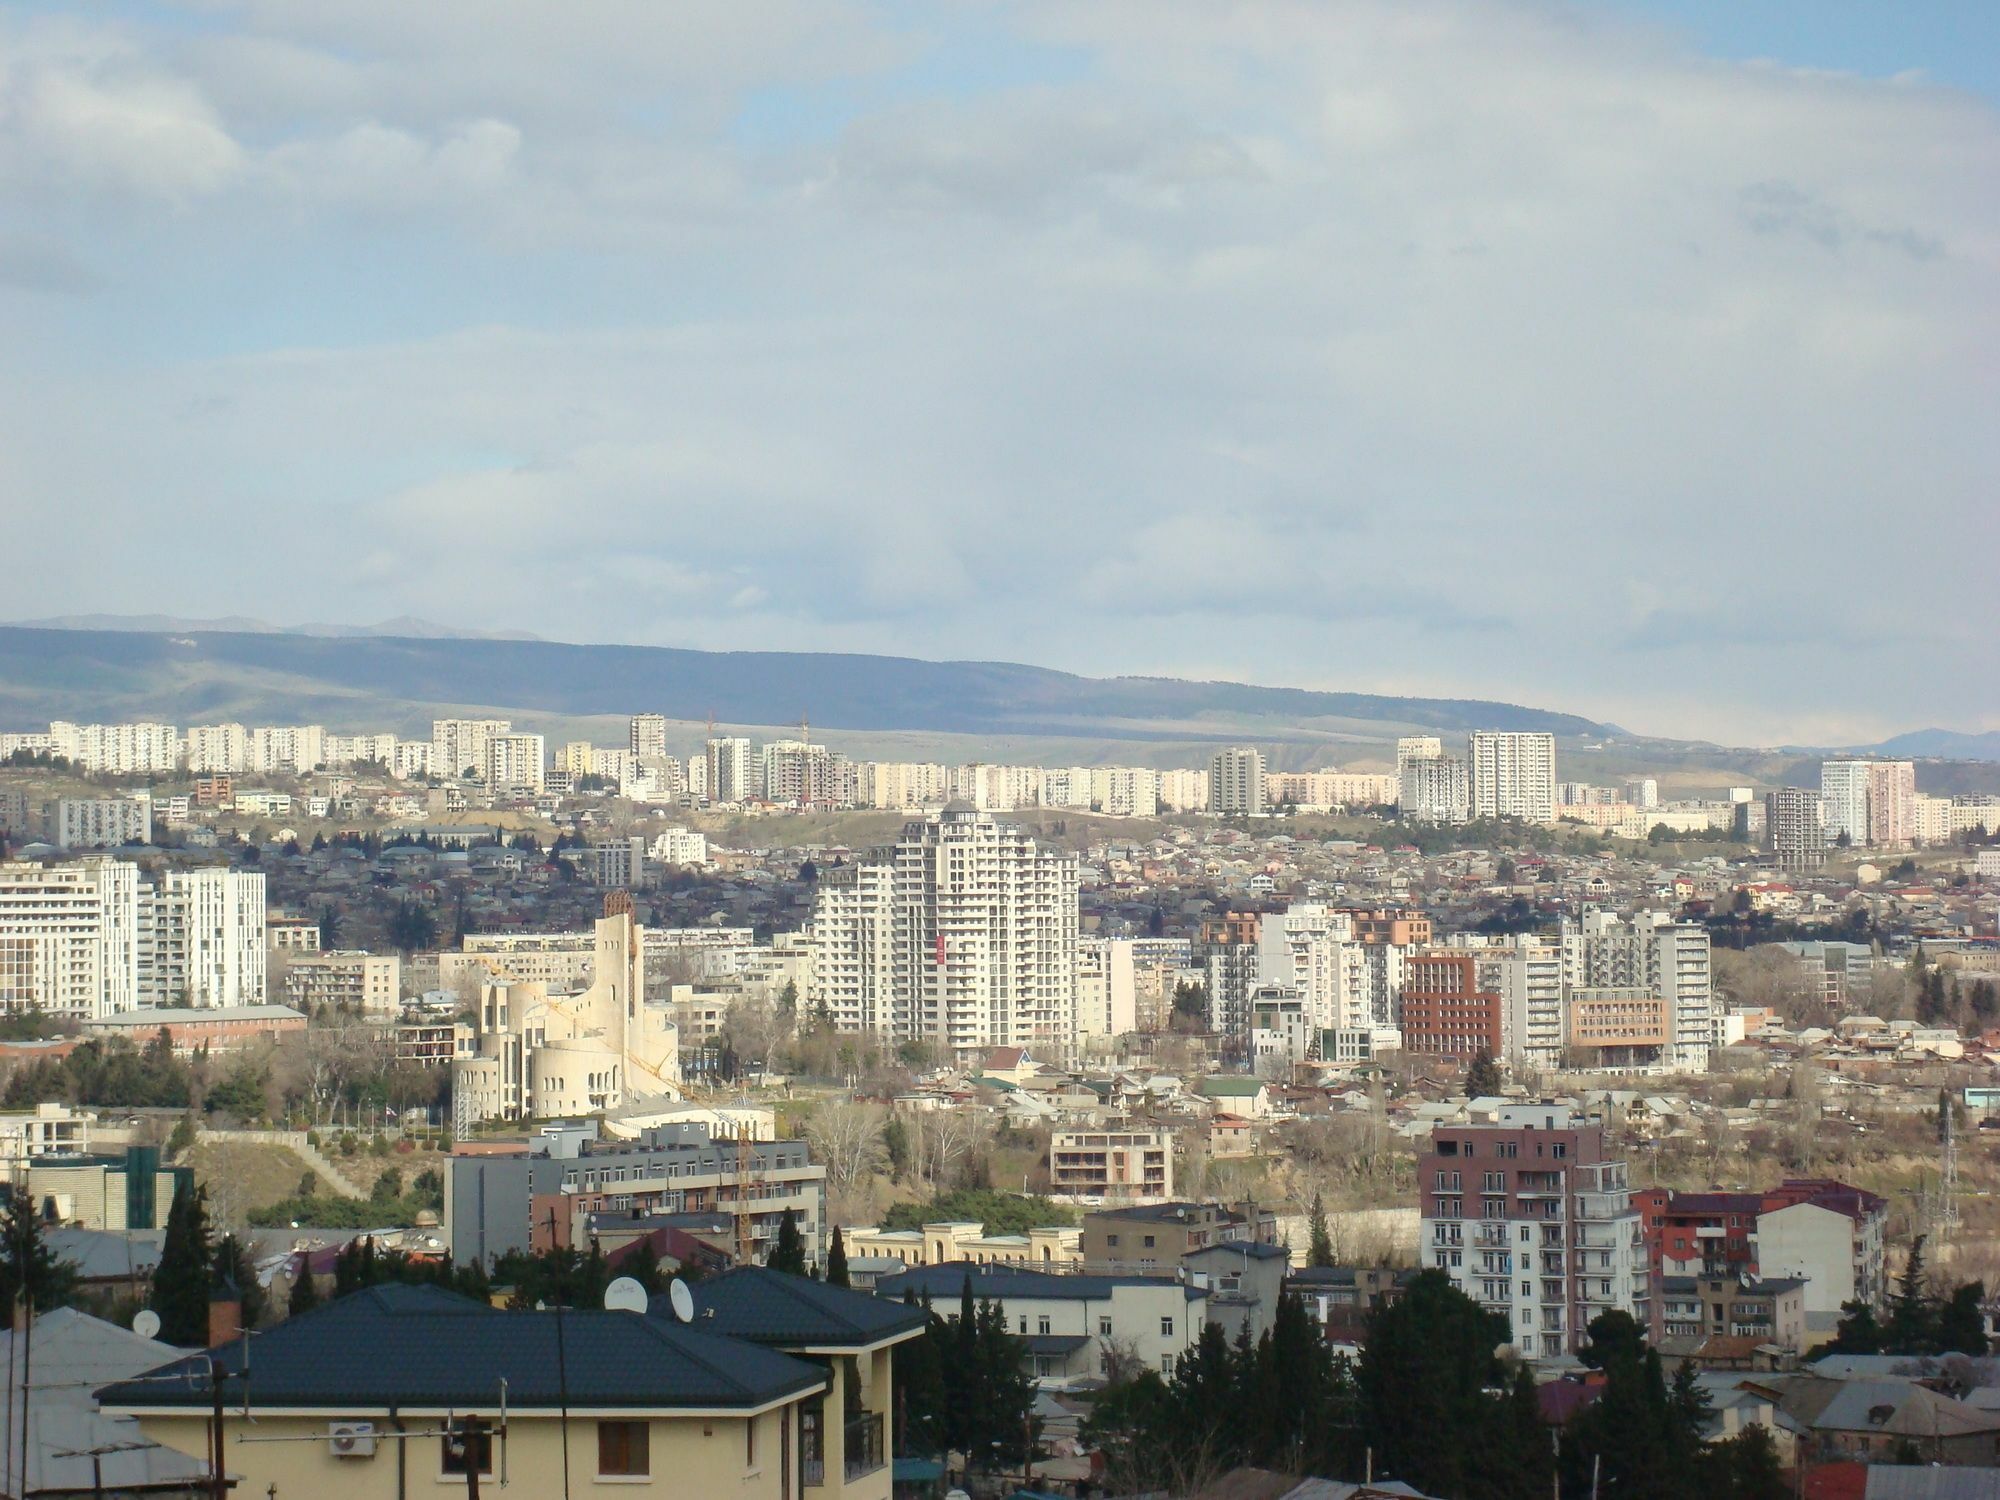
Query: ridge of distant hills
{"x": 400, "y": 673}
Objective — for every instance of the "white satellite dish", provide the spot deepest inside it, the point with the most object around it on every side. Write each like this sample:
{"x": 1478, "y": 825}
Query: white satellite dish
{"x": 146, "y": 1324}
{"x": 682, "y": 1299}
{"x": 625, "y": 1295}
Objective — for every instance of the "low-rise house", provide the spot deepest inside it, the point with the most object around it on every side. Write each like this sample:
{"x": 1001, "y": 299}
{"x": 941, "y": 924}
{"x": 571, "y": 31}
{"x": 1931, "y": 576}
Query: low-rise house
{"x": 1878, "y": 1420}
{"x": 1152, "y": 1239}
{"x": 372, "y": 1395}
{"x": 1077, "y": 1326}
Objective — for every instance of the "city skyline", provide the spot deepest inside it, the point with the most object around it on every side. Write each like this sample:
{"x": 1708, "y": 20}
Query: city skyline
{"x": 1562, "y": 355}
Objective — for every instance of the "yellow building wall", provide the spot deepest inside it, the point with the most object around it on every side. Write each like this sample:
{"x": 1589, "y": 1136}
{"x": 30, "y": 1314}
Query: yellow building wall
{"x": 689, "y": 1457}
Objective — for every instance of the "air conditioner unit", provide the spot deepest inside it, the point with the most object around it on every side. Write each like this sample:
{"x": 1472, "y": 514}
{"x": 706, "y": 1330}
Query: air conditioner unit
{"x": 351, "y": 1439}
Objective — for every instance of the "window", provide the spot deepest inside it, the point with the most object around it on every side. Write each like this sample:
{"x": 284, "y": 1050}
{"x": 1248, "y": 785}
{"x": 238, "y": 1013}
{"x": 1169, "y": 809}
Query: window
{"x": 1148, "y": 1242}
{"x": 624, "y": 1449}
{"x": 1111, "y": 1240}
{"x": 1104, "y": 1328}
{"x": 1041, "y": 1325}
{"x": 1166, "y": 1328}
{"x": 1166, "y": 1364}
{"x": 749, "y": 1442}
{"x": 460, "y": 1451}
{"x": 1024, "y": 1322}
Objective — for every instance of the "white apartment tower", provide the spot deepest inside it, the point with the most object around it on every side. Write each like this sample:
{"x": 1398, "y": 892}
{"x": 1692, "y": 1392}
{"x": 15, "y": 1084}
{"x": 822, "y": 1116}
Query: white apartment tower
{"x": 104, "y": 822}
{"x": 1236, "y": 782}
{"x": 1513, "y": 775}
{"x": 69, "y": 938}
{"x": 1843, "y": 794}
{"x": 964, "y": 934}
{"x": 649, "y": 734}
{"x": 1431, "y": 787}
{"x": 514, "y": 761}
{"x": 459, "y": 745}
{"x": 732, "y": 770}
{"x": 202, "y": 939}
{"x": 1872, "y": 802}
{"x": 213, "y": 748}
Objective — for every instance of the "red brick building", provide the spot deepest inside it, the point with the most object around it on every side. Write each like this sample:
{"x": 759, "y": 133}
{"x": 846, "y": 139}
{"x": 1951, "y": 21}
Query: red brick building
{"x": 1444, "y": 1011}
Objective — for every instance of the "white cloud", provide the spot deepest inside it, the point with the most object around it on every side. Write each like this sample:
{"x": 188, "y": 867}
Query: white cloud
{"x": 1472, "y": 347}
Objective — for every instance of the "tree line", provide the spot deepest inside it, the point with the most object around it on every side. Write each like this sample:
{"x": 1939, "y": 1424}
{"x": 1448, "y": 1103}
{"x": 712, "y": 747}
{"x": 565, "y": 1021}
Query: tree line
{"x": 1430, "y": 1402}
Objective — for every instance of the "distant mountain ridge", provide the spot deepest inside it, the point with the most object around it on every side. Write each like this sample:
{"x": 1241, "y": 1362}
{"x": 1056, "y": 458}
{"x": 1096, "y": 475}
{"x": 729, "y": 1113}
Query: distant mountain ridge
{"x": 407, "y": 627}
{"x": 190, "y": 674}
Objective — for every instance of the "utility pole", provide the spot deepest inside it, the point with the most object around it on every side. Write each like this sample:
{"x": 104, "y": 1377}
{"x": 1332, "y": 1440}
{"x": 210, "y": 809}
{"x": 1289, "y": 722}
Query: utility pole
{"x": 218, "y": 1482}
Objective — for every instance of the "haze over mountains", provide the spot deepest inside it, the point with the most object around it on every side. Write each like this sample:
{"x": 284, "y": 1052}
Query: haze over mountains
{"x": 399, "y": 673}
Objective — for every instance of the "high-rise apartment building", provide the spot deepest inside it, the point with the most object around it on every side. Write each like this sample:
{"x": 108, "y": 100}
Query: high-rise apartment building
{"x": 458, "y": 746}
{"x": 1652, "y": 953}
{"x": 119, "y": 749}
{"x": 294, "y": 749}
{"x": 798, "y": 773}
{"x": 202, "y": 939}
{"x": 514, "y": 762}
{"x": 1236, "y": 782}
{"x": 1532, "y": 1218}
{"x": 1843, "y": 792}
{"x": 732, "y": 770}
{"x": 1431, "y": 787}
{"x": 1794, "y": 828}
{"x": 1870, "y": 803}
{"x": 1513, "y": 775}
{"x": 649, "y": 734}
{"x": 218, "y": 747}
{"x": 69, "y": 938}
{"x": 964, "y": 934}
{"x": 1449, "y": 1008}
{"x": 1526, "y": 972}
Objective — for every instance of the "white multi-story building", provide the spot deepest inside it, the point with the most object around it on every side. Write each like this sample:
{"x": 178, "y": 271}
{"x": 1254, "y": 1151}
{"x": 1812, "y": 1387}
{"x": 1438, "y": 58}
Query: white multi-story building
{"x": 798, "y": 773}
{"x": 119, "y": 749}
{"x": 104, "y": 822}
{"x": 459, "y": 745}
{"x": 1183, "y": 791}
{"x": 356, "y": 749}
{"x": 1431, "y": 787}
{"x": 213, "y": 748}
{"x": 964, "y": 933}
{"x": 733, "y": 773}
{"x": 515, "y": 762}
{"x": 1649, "y": 951}
{"x": 1236, "y": 782}
{"x": 1526, "y": 972}
{"x": 649, "y": 734}
{"x": 413, "y": 759}
{"x": 202, "y": 939}
{"x": 679, "y": 846}
{"x": 69, "y": 937}
{"x": 1126, "y": 791}
{"x": 902, "y": 786}
{"x": 1843, "y": 794}
{"x": 1513, "y": 775}
{"x": 294, "y": 749}
{"x": 1892, "y": 804}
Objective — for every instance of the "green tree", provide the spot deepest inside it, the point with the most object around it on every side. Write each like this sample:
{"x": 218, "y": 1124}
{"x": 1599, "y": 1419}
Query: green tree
{"x": 30, "y": 1272}
{"x": 1857, "y": 1332}
{"x": 1961, "y": 1322}
{"x": 1612, "y": 1335}
{"x": 789, "y": 1253}
{"x": 180, "y": 1281}
{"x": 1746, "y": 1467}
{"x": 1319, "y": 1241}
{"x": 1912, "y": 1327}
{"x": 411, "y": 927}
{"x": 1424, "y": 1371}
{"x": 231, "y": 1264}
{"x": 305, "y": 1291}
{"x": 642, "y": 1264}
{"x": 1483, "y": 1078}
{"x": 836, "y": 1260}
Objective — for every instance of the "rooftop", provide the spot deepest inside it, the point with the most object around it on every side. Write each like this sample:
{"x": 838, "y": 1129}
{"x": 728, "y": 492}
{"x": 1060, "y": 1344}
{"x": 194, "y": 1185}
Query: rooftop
{"x": 771, "y": 1307}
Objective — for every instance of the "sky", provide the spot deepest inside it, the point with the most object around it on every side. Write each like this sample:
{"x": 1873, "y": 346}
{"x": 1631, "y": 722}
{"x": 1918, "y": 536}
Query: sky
{"x": 1634, "y": 358}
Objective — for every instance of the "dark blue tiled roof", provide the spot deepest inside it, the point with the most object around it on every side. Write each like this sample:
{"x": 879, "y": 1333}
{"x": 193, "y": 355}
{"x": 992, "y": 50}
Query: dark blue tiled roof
{"x": 771, "y": 1307}
{"x": 946, "y": 1282}
{"x": 421, "y": 1346}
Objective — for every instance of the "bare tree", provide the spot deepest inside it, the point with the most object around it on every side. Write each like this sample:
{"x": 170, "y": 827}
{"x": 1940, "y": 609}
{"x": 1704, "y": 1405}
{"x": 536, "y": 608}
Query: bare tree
{"x": 847, "y": 1139}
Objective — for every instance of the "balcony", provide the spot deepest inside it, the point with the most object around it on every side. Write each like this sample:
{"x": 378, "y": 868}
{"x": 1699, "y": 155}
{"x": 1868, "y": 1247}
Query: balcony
{"x": 862, "y": 1446}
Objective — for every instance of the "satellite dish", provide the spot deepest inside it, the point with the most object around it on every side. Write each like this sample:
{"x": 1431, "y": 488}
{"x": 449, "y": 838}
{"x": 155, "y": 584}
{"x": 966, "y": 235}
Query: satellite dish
{"x": 682, "y": 1299}
{"x": 146, "y": 1324}
{"x": 625, "y": 1295}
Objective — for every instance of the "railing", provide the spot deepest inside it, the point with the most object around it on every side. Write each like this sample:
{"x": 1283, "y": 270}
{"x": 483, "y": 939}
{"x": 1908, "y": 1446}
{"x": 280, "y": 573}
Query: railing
{"x": 862, "y": 1447}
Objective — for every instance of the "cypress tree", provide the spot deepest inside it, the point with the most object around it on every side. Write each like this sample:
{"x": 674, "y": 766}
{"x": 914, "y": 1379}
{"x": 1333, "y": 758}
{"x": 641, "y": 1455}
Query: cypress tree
{"x": 232, "y": 1264}
{"x": 305, "y": 1291}
{"x": 836, "y": 1260}
{"x": 789, "y": 1254}
{"x": 29, "y": 1269}
{"x": 1319, "y": 1243}
{"x": 180, "y": 1281}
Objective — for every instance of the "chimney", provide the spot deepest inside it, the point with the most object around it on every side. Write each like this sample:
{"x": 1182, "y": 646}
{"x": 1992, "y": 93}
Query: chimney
{"x": 225, "y": 1312}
